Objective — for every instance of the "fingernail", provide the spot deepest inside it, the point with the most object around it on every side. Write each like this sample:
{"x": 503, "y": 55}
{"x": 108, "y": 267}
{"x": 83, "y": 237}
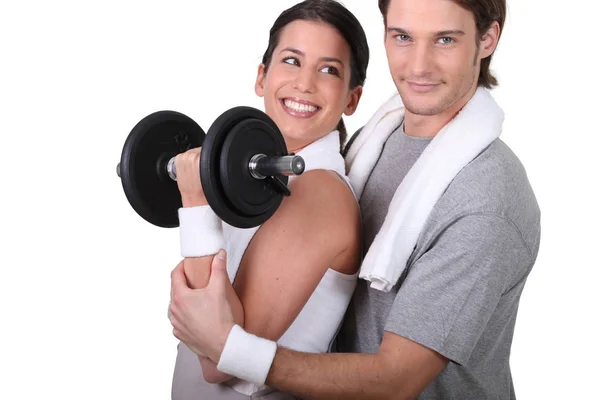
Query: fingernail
{"x": 221, "y": 254}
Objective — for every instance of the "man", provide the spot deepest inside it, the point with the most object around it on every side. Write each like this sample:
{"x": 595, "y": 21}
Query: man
{"x": 434, "y": 320}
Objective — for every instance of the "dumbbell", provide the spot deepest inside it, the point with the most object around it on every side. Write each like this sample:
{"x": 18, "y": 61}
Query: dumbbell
{"x": 244, "y": 166}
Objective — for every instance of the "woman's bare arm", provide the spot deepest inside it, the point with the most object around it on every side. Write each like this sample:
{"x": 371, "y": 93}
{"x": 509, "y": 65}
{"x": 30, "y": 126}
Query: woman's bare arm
{"x": 316, "y": 228}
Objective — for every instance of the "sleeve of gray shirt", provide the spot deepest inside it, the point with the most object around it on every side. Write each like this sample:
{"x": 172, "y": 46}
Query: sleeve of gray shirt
{"x": 452, "y": 289}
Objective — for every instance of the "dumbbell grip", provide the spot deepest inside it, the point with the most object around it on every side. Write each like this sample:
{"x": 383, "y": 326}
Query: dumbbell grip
{"x": 262, "y": 166}
{"x": 170, "y": 169}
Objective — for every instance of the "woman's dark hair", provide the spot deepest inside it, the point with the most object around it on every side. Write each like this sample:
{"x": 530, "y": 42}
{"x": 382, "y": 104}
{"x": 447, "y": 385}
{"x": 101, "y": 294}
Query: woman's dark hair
{"x": 335, "y": 14}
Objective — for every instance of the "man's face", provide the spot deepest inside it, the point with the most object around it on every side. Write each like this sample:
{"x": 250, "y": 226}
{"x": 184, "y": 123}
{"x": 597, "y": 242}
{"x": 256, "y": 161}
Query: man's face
{"x": 434, "y": 53}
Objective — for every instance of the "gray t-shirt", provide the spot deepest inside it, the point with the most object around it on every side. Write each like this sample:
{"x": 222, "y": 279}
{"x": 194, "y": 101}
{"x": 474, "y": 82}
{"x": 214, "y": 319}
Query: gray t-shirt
{"x": 460, "y": 291}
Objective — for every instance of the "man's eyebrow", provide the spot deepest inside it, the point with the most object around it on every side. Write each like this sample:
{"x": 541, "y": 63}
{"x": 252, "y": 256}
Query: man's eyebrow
{"x": 449, "y": 32}
{"x": 393, "y": 29}
{"x": 300, "y": 53}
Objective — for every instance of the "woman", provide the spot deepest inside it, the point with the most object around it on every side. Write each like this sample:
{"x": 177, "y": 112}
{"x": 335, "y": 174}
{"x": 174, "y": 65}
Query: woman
{"x": 294, "y": 275}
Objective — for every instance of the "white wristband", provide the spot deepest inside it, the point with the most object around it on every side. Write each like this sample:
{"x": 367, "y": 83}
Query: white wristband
{"x": 200, "y": 231}
{"x": 247, "y": 356}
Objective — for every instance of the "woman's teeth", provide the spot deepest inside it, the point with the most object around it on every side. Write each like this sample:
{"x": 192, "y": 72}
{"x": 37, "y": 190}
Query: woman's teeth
{"x": 299, "y": 107}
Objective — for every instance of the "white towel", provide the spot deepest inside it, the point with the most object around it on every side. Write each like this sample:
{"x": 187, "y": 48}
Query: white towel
{"x": 473, "y": 129}
{"x": 323, "y": 153}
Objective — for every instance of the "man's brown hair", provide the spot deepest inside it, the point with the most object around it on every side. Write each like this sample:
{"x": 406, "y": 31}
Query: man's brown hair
{"x": 485, "y": 12}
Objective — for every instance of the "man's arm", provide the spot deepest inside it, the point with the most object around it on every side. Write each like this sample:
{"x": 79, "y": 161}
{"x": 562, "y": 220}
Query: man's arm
{"x": 481, "y": 271}
{"x": 401, "y": 369}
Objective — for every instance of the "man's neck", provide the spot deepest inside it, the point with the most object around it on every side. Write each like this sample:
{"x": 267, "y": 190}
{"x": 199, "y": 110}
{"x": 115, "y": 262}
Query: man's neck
{"x": 427, "y": 126}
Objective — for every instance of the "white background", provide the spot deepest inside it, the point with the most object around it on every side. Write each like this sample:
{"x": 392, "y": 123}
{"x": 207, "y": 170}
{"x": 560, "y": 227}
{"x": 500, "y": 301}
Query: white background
{"x": 84, "y": 282}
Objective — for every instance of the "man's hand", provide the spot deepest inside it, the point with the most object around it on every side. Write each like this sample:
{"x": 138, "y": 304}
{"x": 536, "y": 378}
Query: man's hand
{"x": 202, "y": 318}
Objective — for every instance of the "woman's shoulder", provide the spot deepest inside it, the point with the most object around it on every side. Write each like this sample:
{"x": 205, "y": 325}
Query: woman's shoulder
{"x": 325, "y": 191}
{"x": 320, "y": 218}
{"x": 335, "y": 219}
{"x": 327, "y": 207}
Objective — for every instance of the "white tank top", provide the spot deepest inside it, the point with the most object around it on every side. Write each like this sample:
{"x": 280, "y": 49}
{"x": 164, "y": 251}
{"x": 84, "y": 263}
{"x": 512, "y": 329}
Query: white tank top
{"x": 315, "y": 327}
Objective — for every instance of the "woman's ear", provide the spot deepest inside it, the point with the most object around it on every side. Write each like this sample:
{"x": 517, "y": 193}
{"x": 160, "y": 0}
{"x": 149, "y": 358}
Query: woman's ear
{"x": 353, "y": 100}
{"x": 259, "y": 86}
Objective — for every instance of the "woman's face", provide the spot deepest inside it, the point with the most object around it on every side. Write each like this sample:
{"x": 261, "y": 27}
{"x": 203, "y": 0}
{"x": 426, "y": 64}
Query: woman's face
{"x": 306, "y": 87}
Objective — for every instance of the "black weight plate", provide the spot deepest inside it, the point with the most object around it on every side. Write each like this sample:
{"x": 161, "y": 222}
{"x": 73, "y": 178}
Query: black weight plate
{"x": 210, "y": 160}
{"x": 249, "y": 196}
{"x": 148, "y": 148}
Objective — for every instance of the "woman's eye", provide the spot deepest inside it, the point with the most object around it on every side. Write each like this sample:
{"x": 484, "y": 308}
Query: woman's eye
{"x": 331, "y": 70}
{"x": 291, "y": 61}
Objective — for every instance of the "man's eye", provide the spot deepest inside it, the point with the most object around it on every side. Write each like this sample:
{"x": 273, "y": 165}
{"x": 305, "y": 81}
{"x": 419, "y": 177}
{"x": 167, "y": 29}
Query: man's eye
{"x": 446, "y": 40}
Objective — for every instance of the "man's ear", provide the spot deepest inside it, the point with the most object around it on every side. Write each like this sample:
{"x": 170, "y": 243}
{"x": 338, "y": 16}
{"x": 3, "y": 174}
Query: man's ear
{"x": 489, "y": 41}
